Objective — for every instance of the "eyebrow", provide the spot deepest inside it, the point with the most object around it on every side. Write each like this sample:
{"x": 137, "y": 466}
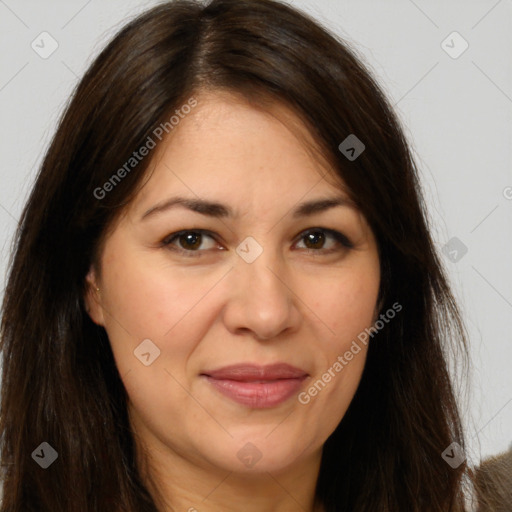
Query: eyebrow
{"x": 219, "y": 210}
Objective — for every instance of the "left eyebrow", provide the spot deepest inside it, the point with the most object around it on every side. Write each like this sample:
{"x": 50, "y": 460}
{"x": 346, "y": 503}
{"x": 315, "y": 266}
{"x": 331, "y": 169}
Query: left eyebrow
{"x": 321, "y": 205}
{"x": 219, "y": 210}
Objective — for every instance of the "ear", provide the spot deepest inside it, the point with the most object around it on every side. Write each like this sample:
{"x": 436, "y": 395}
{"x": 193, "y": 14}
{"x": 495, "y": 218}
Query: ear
{"x": 92, "y": 298}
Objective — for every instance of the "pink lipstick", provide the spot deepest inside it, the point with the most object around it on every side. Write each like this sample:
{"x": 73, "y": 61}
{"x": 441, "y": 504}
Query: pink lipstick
{"x": 257, "y": 386}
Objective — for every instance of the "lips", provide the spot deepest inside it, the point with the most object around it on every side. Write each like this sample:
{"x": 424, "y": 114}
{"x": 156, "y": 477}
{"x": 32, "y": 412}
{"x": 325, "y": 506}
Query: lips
{"x": 252, "y": 372}
{"x": 257, "y": 386}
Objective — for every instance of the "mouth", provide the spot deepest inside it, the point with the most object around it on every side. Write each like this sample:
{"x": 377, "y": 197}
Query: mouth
{"x": 255, "y": 386}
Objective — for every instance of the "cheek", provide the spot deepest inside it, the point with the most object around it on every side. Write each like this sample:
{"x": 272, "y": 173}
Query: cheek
{"x": 146, "y": 298}
{"x": 166, "y": 305}
{"x": 347, "y": 305}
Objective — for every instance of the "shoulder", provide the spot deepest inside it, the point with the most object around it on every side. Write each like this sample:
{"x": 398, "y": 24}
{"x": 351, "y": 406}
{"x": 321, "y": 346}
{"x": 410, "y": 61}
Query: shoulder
{"x": 493, "y": 483}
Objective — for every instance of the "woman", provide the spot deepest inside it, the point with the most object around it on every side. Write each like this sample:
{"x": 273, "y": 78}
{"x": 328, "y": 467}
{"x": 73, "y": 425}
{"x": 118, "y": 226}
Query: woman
{"x": 224, "y": 294}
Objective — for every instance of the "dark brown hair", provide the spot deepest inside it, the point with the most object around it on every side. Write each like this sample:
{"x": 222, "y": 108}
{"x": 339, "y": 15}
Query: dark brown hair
{"x": 60, "y": 382}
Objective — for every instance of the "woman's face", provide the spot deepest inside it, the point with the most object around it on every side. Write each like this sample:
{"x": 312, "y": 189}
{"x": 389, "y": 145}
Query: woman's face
{"x": 248, "y": 285}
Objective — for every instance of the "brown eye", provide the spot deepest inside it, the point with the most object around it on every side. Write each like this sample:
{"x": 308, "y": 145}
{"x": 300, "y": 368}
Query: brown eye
{"x": 316, "y": 239}
{"x": 189, "y": 242}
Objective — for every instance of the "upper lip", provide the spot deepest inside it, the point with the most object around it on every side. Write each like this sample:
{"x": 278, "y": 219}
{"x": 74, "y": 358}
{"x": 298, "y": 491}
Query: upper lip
{"x": 254, "y": 372}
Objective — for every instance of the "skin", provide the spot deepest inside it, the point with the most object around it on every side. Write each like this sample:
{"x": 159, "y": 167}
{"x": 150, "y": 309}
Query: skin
{"x": 289, "y": 305}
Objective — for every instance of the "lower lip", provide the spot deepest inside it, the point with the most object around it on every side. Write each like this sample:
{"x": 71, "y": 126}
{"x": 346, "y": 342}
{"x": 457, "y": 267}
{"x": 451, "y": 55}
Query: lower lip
{"x": 258, "y": 395}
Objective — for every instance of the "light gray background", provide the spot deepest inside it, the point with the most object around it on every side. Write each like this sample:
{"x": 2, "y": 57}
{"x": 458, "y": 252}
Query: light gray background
{"x": 457, "y": 114}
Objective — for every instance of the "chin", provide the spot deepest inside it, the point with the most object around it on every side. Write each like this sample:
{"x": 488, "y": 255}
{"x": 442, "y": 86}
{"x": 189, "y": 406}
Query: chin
{"x": 256, "y": 453}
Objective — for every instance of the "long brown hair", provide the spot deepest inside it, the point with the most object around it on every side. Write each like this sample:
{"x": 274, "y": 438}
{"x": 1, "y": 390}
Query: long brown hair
{"x": 60, "y": 382}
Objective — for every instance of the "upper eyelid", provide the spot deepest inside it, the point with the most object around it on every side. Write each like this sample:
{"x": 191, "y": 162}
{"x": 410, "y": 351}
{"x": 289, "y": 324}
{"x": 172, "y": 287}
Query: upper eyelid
{"x": 176, "y": 234}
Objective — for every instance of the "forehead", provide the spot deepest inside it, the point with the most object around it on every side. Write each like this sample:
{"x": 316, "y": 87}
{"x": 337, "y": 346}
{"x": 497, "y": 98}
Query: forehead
{"x": 227, "y": 146}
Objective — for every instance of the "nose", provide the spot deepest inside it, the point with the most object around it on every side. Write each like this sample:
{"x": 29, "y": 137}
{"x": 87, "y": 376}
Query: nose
{"x": 261, "y": 298}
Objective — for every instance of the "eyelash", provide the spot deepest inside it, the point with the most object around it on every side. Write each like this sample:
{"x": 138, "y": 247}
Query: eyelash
{"x": 342, "y": 240}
